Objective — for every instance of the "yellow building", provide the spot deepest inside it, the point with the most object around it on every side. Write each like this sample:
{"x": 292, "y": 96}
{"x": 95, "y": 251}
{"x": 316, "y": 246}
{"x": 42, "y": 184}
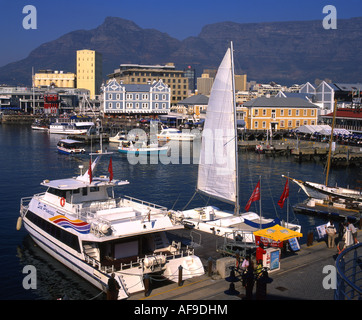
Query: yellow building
{"x": 279, "y": 113}
{"x": 89, "y": 71}
{"x": 47, "y": 78}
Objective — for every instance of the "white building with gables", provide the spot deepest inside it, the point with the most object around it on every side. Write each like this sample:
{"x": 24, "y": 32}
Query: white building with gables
{"x": 119, "y": 98}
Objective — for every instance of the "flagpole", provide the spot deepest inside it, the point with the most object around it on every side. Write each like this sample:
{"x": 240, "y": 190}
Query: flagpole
{"x": 288, "y": 205}
{"x": 260, "y": 201}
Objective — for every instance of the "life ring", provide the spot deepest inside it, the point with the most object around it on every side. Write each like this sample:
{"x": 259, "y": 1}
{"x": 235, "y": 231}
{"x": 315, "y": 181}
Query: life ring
{"x": 62, "y": 202}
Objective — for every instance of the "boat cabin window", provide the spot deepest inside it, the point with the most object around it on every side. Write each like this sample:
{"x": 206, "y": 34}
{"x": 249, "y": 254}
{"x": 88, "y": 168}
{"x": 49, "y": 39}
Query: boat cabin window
{"x": 84, "y": 191}
{"x": 58, "y": 192}
{"x": 94, "y": 189}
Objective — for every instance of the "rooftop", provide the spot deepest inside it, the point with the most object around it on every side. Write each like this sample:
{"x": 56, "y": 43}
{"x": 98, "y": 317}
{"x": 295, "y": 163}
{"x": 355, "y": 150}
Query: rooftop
{"x": 290, "y": 102}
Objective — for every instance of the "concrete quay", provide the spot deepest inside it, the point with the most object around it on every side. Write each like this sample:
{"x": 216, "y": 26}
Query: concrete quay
{"x": 300, "y": 277}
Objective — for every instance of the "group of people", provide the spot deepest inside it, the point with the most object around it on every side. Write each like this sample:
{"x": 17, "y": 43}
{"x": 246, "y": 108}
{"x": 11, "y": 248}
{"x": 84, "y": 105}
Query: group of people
{"x": 252, "y": 275}
{"x": 342, "y": 235}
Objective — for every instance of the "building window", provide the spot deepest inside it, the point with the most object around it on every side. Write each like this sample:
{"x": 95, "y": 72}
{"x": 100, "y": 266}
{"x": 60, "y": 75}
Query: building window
{"x": 256, "y": 112}
{"x": 144, "y": 105}
{"x": 118, "y": 105}
{"x": 163, "y": 105}
{"x": 156, "y": 105}
{"x": 312, "y": 122}
{"x": 305, "y": 112}
{"x": 264, "y": 124}
{"x": 297, "y": 113}
{"x": 289, "y": 113}
{"x": 137, "y": 105}
{"x": 144, "y": 96}
{"x": 305, "y": 122}
{"x": 297, "y": 123}
{"x": 110, "y": 96}
{"x": 290, "y": 124}
{"x": 273, "y": 115}
{"x": 264, "y": 112}
{"x": 255, "y": 124}
{"x": 282, "y": 112}
{"x": 129, "y": 105}
{"x": 312, "y": 113}
{"x": 282, "y": 123}
{"x": 129, "y": 96}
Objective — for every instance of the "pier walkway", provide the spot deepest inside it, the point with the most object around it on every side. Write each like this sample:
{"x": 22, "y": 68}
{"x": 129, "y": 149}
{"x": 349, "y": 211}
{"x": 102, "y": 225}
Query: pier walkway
{"x": 300, "y": 277}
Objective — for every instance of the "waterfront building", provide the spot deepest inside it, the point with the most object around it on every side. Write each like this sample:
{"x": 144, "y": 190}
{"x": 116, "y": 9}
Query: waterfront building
{"x": 322, "y": 95}
{"x": 192, "y": 106}
{"x": 89, "y": 71}
{"x": 278, "y": 113}
{"x": 50, "y": 78}
{"x": 33, "y": 100}
{"x": 346, "y": 118}
{"x": 143, "y": 74}
{"x": 122, "y": 99}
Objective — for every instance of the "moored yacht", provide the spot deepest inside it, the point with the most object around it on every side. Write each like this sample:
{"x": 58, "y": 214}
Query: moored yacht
{"x": 82, "y": 224}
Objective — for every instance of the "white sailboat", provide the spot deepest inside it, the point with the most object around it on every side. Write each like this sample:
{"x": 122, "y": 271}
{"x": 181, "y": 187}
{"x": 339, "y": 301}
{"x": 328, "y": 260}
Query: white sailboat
{"x": 218, "y": 165}
{"x": 323, "y": 191}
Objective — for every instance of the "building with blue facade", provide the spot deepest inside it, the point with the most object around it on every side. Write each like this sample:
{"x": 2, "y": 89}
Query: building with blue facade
{"x": 119, "y": 98}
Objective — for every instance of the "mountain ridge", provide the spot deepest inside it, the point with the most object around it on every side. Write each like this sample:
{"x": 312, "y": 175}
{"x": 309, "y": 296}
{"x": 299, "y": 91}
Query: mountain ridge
{"x": 286, "y": 52}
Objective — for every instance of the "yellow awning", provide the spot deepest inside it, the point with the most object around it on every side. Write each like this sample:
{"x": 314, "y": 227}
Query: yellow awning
{"x": 277, "y": 233}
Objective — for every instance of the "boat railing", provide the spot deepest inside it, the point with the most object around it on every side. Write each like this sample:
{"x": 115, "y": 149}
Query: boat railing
{"x": 24, "y": 205}
{"x": 145, "y": 203}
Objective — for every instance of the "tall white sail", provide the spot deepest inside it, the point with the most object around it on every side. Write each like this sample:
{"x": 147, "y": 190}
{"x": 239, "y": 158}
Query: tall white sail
{"x": 217, "y": 175}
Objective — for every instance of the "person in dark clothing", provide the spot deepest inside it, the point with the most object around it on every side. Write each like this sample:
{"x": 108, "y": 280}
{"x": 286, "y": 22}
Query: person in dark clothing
{"x": 113, "y": 288}
{"x": 249, "y": 282}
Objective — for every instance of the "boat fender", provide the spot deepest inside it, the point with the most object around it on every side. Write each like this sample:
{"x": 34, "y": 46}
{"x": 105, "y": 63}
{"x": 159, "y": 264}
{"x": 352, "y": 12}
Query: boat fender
{"x": 62, "y": 201}
{"x": 19, "y": 223}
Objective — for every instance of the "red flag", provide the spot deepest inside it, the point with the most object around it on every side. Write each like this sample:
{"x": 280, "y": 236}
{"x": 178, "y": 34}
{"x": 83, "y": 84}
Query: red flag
{"x": 254, "y": 197}
{"x": 110, "y": 169}
{"x": 284, "y": 195}
{"x": 90, "y": 171}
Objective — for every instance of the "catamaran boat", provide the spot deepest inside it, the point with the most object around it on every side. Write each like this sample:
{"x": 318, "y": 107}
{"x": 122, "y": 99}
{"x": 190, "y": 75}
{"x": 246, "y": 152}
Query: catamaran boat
{"x": 218, "y": 167}
{"x": 74, "y": 125}
{"x": 81, "y": 223}
{"x": 70, "y": 146}
{"x": 167, "y": 134}
{"x": 140, "y": 147}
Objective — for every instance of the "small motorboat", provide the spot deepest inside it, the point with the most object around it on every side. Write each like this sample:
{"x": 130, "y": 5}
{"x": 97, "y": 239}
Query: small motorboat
{"x": 69, "y": 146}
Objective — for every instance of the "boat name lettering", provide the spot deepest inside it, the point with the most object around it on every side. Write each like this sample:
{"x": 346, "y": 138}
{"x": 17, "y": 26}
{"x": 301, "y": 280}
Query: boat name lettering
{"x": 45, "y": 209}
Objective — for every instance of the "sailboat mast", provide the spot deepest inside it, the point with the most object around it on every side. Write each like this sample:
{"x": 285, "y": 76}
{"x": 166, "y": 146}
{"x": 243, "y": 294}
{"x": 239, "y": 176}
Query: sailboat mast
{"x": 330, "y": 142}
{"x": 237, "y": 206}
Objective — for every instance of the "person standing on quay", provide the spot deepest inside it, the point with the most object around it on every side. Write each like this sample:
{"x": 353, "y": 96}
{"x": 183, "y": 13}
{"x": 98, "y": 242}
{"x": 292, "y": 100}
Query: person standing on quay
{"x": 331, "y": 232}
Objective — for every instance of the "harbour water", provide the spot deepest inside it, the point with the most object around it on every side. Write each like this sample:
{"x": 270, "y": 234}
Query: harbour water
{"x": 27, "y": 157}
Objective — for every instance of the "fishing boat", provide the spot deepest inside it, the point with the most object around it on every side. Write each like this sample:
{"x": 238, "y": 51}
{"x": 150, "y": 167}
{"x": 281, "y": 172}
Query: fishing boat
{"x": 218, "y": 176}
{"x": 322, "y": 191}
{"x": 73, "y": 125}
{"x": 38, "y": 125}
{"x": 167, "y": 134}
{"x": 81, "y": 222}
{"x": 140, "y": 147}
{"x": 69, "y": 146}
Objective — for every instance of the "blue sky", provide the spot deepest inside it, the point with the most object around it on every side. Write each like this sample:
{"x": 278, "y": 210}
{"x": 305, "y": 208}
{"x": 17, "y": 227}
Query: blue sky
{"x": 180, "y": 19}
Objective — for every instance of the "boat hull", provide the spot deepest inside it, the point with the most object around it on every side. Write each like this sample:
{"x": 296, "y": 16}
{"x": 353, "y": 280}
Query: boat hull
{"x": 72, "y": 262}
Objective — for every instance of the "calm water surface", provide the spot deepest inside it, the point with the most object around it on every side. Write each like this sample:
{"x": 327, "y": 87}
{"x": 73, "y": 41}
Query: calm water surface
{"x": 27, "y": 157}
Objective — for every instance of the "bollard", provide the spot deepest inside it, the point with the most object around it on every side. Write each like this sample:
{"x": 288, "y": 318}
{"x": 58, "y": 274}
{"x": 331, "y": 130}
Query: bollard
{"x": 146, "y": 281}
{"x": 180, "y": 276}
{"x": 209, "y": 267}
{"x": 310, "y": 238}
